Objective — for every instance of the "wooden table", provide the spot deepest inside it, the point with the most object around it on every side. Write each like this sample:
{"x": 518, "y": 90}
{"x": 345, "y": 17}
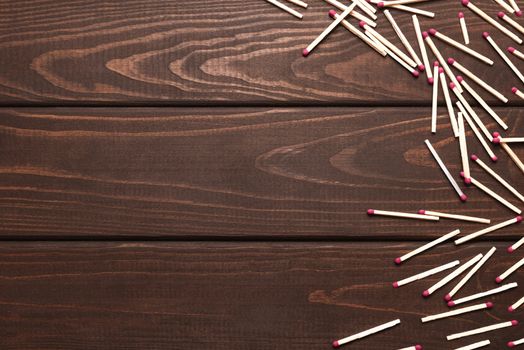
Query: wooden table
{"x": 175, "y": 175}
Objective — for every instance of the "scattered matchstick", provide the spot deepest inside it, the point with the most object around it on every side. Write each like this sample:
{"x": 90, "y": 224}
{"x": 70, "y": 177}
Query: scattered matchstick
{"x": 488, "y": 230}
{"x": 499, "y": 139}
{"x": 477, "y": 80}
{"x": 470, "y": 274}
{"x": 328, "y": 30}
{"x": 400, "y": 2}
{"x": 401, "y": 215}
{"x": 513, "y": 3}
{"x": 454, "y": 216}
{"x": 460, "y": 46}
{"x": 286, "y": 8}
{"x": 477, "y": 133}
{"x": 505, "y": 6}
{"x": 425, "y": 247}
{"x": 509, "y": 271}
{"x": 516, "y": 52}
{"x": 409, "y": 9}
{"x": 511, "y": 22}
{"x": 477, "y": 345}
{"x": 425, "y": 274}
{"x": 298, "y": 3}
{"x": 457, "y": 312}
{"x": 463, "y": 149}
{"x": 422, "y": 47}
{"x": 517, "y": 304}
{"x": 463, "y": 27}
{"x": 404, "y": 40}
{"x": 462, "y": 268}
{"x": 503, "y": 56}
{"x": 388, "y": 44}
{"x": 497, "y": 177}
{"x": 441, "y": 60}
{"x": 516, "y": 246}
{"x": 469, "y": 298}
{"x": 483, "y": 330}
{"x": 490, "y": 20}
{"x": 414, "y": 347}
{"x": 493, "y": 194}
{"x": 517, "y": 92}
{"x": 434, "y": 104}
{"x": 514, "y": 343}
{"x": 449, "y": 104}
{"x": 446, "y": 172}
{"x": 364, "y": 334}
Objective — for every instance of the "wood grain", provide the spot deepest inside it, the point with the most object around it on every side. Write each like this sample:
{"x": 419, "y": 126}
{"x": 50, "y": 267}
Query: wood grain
{"x": 214, "y": 52}
{"x": 231, "y": 296}
{"x": 235, "y": 172}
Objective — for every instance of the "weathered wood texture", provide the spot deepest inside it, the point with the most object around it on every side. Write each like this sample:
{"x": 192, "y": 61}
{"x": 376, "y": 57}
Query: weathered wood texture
{"x": 231, "y": 172}
{"x": 231, "y": 296}
{"x": 220, "y": 51}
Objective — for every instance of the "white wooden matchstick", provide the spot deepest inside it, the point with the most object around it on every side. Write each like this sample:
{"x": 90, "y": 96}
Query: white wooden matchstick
{"x": 470, "y": 274}
{"x": 513, "y": 156}
{"x": 449, "y": 104}
{"x": 409, "y": 9}
{"x": 441, "y": 60}
{"x": 514, "y": 343}
{"x": 516, "y": 52}
{"x": 404, "y": 40}
{"x": 364, "y": 334}
{"x": 454, "y": 216}
{"x": 516, "y": 246}
{"x": 353, "y": 13}
{"x": 517, "y": 92}
{"x": 463, "y": 27}
{"x": 425, "y": 274}
{"x": 477, "y": 80}
{"x": 457, "y": 312}
{"x": 483, "y": 330}
{"x": 494, "y": 291}
{"x": 508, "y": 139}
{"x": 460, "y": 46}
{"x": 328, "y": 30}
{"x": 503, "y": 56}
{"x": 505, "y": 6}
{"x": 497, "y": 177}
{"x": 465, "y": 105}
{"x": 488, "y": 230}
{"x": 477, "y": 133}
{"x": 509, "y": 271}
{"x": 477, "y": 345}
{"x": 511, "y": 22}
{"x": 285, "y": 8}
{"x": 414, "y": 347}
{"x": 422, "y": 47}
{"x": 462, "y": 268}
{"x": 493, "y": 195}
{"x": 426, "y": 246}
{"x": 463, "y": 149}
{"x": 434, "y": 104}
{"x": 400, "y": 2}
{"x": 401, "y": 215}
{"x": 298, "y": 3}
{"x": 491, "y": 21}
{"x": 373, "y": 44}
{"x": 518, "y": 12}
{"x": 445, "y": 170}
{"x": 517, "y": 304}
{"x": 483, "y": 103}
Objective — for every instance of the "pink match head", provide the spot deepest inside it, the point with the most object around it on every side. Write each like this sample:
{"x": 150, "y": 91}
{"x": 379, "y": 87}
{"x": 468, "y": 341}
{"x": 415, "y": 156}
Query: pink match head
{"x": 422, "y": 212}
{"x": 462, "y": 174}
{"x": 461, "y": 14}
{"x": 511, "y": 49}
{"x": 518, "y": 13}
{"x": 362, "y": 24}
{"x": 425, "y": 293}
{"x": 398, "y": 261}
{"x": 514, "y": 322}
{"x": 474, "y": 157}
{"x": 380, "y": 5}
{"x": 418, "y": 347}
{"x": 440, "y": 70}
{"x": 332, "y": 13}
{"x": 489, "y": 305}
{"x": 496, "y": 134}
{"x": 432, "y": 31}
{"x": 511, "y": 249}
{"x": 371, "y": 211}
{"x": 514, "y": 90}
{"x": 436, "y": 64}
{"x": 511, "y": 309}
{"x": 485, "y": 35}
{"x": 305, "y": 52}
{"x": 431, "y": 81}
{"x": 395, "y": 284}
{"x": 465, "y": 2}
{"x": 425, "y": 35}
{"x": 519, "y": 218}
{"x": 336, "y": 344}
{"x": 447, "y": 297}
{"x": 511, "y": 344}
{"x": 494, "y": 158}
{"x": 421, "y": 67}
{"x": 451, "y": 61}
{"x": 501, "y": 14}
{"x": 459, "y": 78}
{"x": 415, "y": 73}
{"x": 451, "y": 303}
{"x": 451, "y": 86}
{"x": 498, "y": 280}
{"x": 463, "y": 197}
{"x": 496, "y": 140}
{"x": 467, "y": 180}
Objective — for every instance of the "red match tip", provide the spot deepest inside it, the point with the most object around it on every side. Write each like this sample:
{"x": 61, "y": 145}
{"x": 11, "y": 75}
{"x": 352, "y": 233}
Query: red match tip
{"x": 447, "y": 297}
{"x": 514, "y": 90}
{"x": 501, "y": 14}
{"x": 511, "y": 309}
{"x": 336, "y": 344}
{"x": 440, "y": 70}
{"x": 461, "y": 14}
{"x": 425, "y": 35}
{"x": 422, "y": 212}
{"x": 418, "y": 347}
{"x": 332, "y": 13}
{"x": 494, "y": 158}
{"x": 465, "y": 2}
{"x": 425, "y": 293}
{"x": 421, "y": 67}
{"x": 395, "y": 284}
{"x": 511, "y": 344}
{"x": 362, "y": 24}
{"x": 511, "y": 49}
{"x": 463, "y": 198}
{"x": 474, "y": 157}
{"x": 305, "y": 52}
{"x": 459, "y": 78}
{"x": 451, "y": 61}
{"x": 451, "y": 86}
{"x": 485, "y": 35}
{"x": 467, "y": 181}
{"x": 398, "y": 261}
{"x": 489, "y": 305}
{"x": 436, "y": 64}
{"x": 432, "y": 31}
{"x": 498, "y": 280}
{"x": 380, "y": 5}
{"x": 496, "y": 140}
{"x": 519, "y": 218}
{"x": 462, "y": 174}
{"x": 496, "y": 134}
{"x": 510, "y": 249}
{"x": 514, "y": 322}
{"x": 370, "y": 212}
{"x": 451, "y": 303}
{"x": 431, "y": 81}
{"x": 415, "y": 73}
{"x": 518, "y": 13}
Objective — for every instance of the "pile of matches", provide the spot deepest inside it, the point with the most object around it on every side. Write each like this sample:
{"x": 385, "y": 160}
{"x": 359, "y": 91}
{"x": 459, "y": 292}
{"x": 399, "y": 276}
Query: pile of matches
{"x": 437, "y": 75}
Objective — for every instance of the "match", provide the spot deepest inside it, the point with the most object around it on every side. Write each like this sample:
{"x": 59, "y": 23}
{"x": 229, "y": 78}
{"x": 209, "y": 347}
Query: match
{"x": 508, "y": 139}
{"x": 449, "y": 104}
{"x": 511, "y": 22}
{"x": 409, "y": 9}
{"x": 425, "y": 274}
{"x": 457, "y": 312}
{"x": 510, "y": 271}
{"x": 505, "y": 6}
{"x": 517, "y": 304}
{"x": 286, "y": 8}
{"x": 460, "y": 46}
{"x": 483, "y": 330}
{"x": 463, "y": 27}
{"x": 517, "y": 92}
{"x": 422, "y": 46}
{"x": 516, "y": 52}
{"x": 514, "y": 343}
{"x": 516, "y": 246}
{"x": 488, "y": 230}
{"x": 497, "y": 177}
{"x": 353, "y": 13}
{"x": 494, "y": 291}
{"x": 513, "y": 156}
{"x": 401, "y": 215}
{"x": 503, "y": 56}
{"x": 455, "y": 217}
{"x": 414, "y": 347}
{"x": 404, "y": 40}
{"x": 518, "y": 12}
{"x": 434, "y": 104}
{"x": 441, "y": 60}
{"x": 364, "y": 334}
{"x": 463, "y": 149}
{"x": 477, "y": 345}
{"x": 494, "y": 195}
{"x": 298, "y": 3}
{"x": 427, "y": 246}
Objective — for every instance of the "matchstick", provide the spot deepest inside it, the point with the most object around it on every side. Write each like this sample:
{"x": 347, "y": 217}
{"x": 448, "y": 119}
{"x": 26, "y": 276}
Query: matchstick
{"x": 454, "y": 216}
{"x": 449, "y": 104}
{"x": 477, "y": 345}
{"x": 494, "y": 195}
{"x": 434, "y": 104}
{"x": 516, "y": 246}
{"x": 286, "y": 8}
{"x": 503, "y": 56}
{"x": 353, "y": 13}
{"x": 373, "y": 44}
{"x": 470, "y": 112}
{"x": 517, "y": 92}
{"x": 462, "y": 268}
{"x": 483, "y": 103}
{"x": 422, "y": 47}
{"x": 425, "y": 274}
{"x": 513, "y": 156}
{"x": 477, "y": 80}
{"x": 463, "y": 146}
{"x": 404, "y": 40}
{"x": 414, "y": 347}
{"x": 400, "y": 2}
{"x": 497, "y": 177}
{"x": 510, "y": 271}
{"x": 516, "y": 52}
{"x": 446, "y": 172}
{"x": 505, "y": 6}
{"x": 441, "y": 60}
{"x": 483, "y": 330}
{"x": 364, "y": 334}
{"x": 461, "y": 47}
{"x": 457, "y": 312}
{"x": 490, "y": 20}
{"x": 298, "y": 3}
{"x": 488, "y": 230}
{"x": 401, "y": 215}
{"x": 409, "y": 9}
{"x": 470, "y": 274}
{"x": 514, "y": 343}
{"x": 517, "y": 304}
{"x": 477, "y": 133}
{"x": 518, "y": 12}
{"x": 328, "y": 30}
{"x": 511, "y": 22}
{"x": 481, "y": 295}
{"x": 388, "y": 44}
{"x": 508, "y": 139}
{"x": 463, "y": 27}
{"x": 426, "y": 247}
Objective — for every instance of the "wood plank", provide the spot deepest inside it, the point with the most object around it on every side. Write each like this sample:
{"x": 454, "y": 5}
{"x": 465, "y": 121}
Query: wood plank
{"x": 231, "y": 296}
{"x": 227, "y": 172}
{"x": 220, "y": 51}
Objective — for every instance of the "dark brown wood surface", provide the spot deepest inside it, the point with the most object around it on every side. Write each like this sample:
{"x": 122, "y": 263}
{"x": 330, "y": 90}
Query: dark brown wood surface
{"x": 133, "y": 295}
{"x": 220, "y": 52}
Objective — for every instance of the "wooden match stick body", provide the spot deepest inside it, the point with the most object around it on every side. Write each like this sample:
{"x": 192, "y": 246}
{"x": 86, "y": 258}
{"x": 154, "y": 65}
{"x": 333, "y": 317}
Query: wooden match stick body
{"x": 463, "y": 149}
{"x": 434, "y": 103}
{"x": 426, "y": 246}
{"x": 401, "y": 215}
{"x": 497, "y": 177}
{"x": 412, "y": 10}
{"x": 403, "y": 39}
{"x": 510, "y": 271}
{"x": 511, "y": 139}
{"x": 505, "y": 6}
{"x": 488, "y": 230}
{"x": 477, "y": 133}
{"x": 513, "y": 4}
{"x": 503, "y": 56}
{"x": 400, "y": 2}
{"x": 457, "y": 312}
{"x": 516, "y": 246}
{"x": 477, "y": 345}
{"x": 482, "y": 330}
{"x": 449, "y": 104}
{"x": 516, "y": 305}
{"x": 373, "y": 44}
{"x": 454, "y": 216}
{"x": 364, "y": 334}
{"x": 464, "y": 27}
{"x": 285, "y": 8}
{"x": 460, "y": 46}
{"x": 422, "y": 47}
{"x": 298, "y": 3}
{"x": 469, "y": 298}
{"x": 425, "y": 274}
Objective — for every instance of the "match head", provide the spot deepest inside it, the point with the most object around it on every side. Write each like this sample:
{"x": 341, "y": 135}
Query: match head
{"x": 474, "y": 157}
{"x": 511, "y": 309}
{"x": 371, "y": 211}
{"x": 422, "y": 212}
{"x": 418, "y": 347}
{"x": 452, "y": 86}
{"x": 332, "y": 13}
{"x": 459, "y": 78}
{"x": 305, "y": 52}
{"x": 514, "y": 322}
{"x": 485, "y": 35}
{"x": 463, "y": 197}
{"x": 511, "y": 249}
{"x": 496, "y": 140}
{"x": 421, "y": 67}
{"x": 436, "y": 64}
{"x": 514, "y": 90}
{"x": 440, "y": 70}
{"x": 451, "y": 303}
{"x": 467, "y": 180}
{"x": 461, "y": 14}
{"x": 511, "y": 49}
{"x": 395, "y": 284}
{"x": 451, "y": 61}
{"x": 496, "y": 134}
{"x": 465, "y": 2}
{"x": 336, "y": 344}
{"x": 494, "y": 158}
{"x": 462, "y": 174}
{"x": 501, "y": 14}
{"x": 362, "y": 24}
{"x": 511, "y": 344}
{"x": 432, "y": 31}
{"x": 380, "y": 5}
{"x": 447, "y": 297}
{"x": 431, "y": 81}
{"x": 425, "y": 293}
{"x": 519, "y": 218}
{"x": 398, "y": 261}
{"x": 518, "y": 13}
{"x": 489, "y": 305}
{"x": 425, "y": 35}
{"x": 415, "y": 73}
{"x": 498, "y": 280}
